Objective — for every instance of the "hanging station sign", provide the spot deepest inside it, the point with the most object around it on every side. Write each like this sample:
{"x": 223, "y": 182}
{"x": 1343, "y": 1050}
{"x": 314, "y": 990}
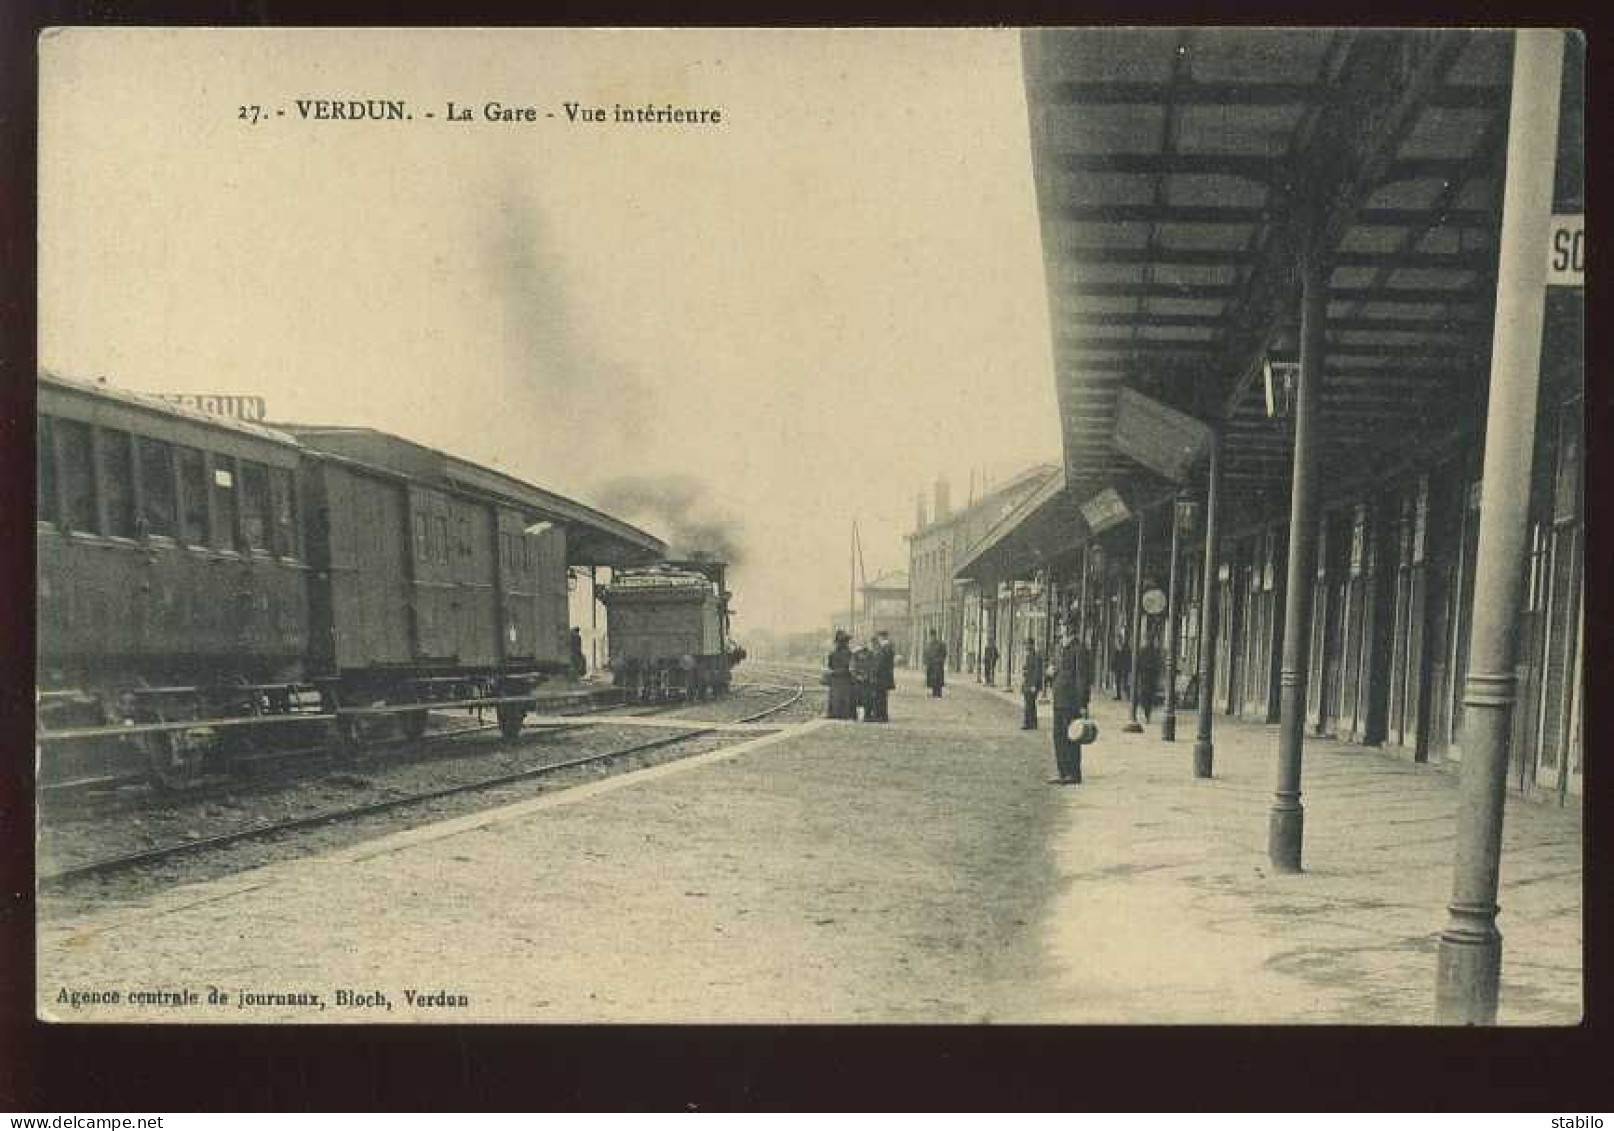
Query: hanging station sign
{"x": 1159, "y": 437}
{"x": 1105, "y": 509}
{"x": 1566, "y": 251}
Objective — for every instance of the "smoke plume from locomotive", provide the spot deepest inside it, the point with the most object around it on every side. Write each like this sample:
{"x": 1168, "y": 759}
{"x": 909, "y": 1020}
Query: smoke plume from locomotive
{"x": 575, "y": 402}
{"x": 678, "y": 508}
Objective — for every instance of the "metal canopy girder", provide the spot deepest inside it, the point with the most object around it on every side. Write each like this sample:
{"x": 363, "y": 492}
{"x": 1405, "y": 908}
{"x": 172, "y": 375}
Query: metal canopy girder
{"x": 1353, "y": 141}
{"x": 1263, "y": 169}
{"x": 1340, "y": 132}
{"x": 1228, "y": 94}
{"x": 1186, "y": 93}
{"x": 1268, "y": 171}
{"x": 1086, "y": 318}
{"x": 1435, "y": 324}
{"x": 1214, "y": 214}
{"x": 1405, "y": 294}
{"x": 1481, "y": 259}
{"x": 1134, "y": 345}
{"x": 1166, "y": 256}
{"x": 1149, "y": 290}
{"x": 1209, "y": 292}
{"x": 1164, "y": 214}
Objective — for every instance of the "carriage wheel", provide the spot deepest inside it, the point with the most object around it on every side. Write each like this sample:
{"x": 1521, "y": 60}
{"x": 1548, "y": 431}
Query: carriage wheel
{"x": 511, "y": 716}
{"x": 414, "y": 725}
{"x": 349, "y": 738}
{"x": 176, "y": 760}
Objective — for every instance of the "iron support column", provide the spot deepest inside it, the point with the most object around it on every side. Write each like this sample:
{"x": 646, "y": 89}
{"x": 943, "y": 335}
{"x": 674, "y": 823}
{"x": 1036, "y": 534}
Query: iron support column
{"x": 1136, "y": 631}
{"x": 1470, "y": 958}
{"x": 1168, "y": 714}
{"x": 594, "y": 618}
{"x": 1008, "y": 653}
{"x": 1081, "y": 612}
{"x": 1204, "y": 744}
{"x": 1286, "y": 824}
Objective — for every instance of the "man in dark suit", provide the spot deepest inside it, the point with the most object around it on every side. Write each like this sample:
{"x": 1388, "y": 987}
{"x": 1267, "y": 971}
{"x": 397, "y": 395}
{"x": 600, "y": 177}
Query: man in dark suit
{"x": 935, "y": 664}
{"x": 1031, "y": 676}
{"x": 989, "y": 661}
{"x": 1071, "y": 688}
{"x": 885, "y": 675}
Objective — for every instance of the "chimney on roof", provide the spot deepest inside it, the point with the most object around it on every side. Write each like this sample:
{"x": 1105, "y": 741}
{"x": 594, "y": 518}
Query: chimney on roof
{"x": 919, "y": 512}
{"x": 944, "y": 507}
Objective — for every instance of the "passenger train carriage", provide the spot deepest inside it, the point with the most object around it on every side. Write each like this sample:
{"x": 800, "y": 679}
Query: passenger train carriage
{"x": 205, "y": 583}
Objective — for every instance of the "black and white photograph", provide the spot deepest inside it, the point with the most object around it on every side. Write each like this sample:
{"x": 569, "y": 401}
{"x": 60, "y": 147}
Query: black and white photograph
{"x": 1074, "y": 526}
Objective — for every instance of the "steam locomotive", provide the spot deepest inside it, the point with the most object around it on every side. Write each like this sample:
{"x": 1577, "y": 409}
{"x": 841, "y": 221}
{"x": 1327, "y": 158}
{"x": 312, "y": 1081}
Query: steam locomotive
{"x": 668, "y": 628}
{"x": 208, "y": 585}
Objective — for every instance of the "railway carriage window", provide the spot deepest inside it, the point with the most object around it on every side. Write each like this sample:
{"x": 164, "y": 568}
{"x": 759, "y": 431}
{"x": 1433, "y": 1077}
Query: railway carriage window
{"x": 157, "y": 504}
{"x": 224, "y": 502}
{"x": 442, "y": 538}
{"x": 45, "y": 477}
{"x": 192, "y": 497}
{"x": 117, "y": 480}
{"x": 78, "y": 474}
{"x": 284, "y": 501}
{"x": 421, "y": 538}
{"x": 255, "y": 508}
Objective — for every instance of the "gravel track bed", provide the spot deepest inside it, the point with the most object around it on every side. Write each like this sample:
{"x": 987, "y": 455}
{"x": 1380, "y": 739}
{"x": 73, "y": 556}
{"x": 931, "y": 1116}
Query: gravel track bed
{"x": 69, "y": 837}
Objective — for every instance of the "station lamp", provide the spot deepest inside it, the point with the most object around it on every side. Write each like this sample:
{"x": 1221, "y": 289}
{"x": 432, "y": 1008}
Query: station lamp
{"x": 1281, "y": 379}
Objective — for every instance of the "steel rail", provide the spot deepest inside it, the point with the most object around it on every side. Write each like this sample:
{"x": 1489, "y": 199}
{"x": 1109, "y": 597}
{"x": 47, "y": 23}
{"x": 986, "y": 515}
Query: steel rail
{"x": 167, "y": 852}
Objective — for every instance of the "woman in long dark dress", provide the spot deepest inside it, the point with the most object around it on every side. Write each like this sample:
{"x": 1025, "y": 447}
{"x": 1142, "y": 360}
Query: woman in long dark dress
{"x": 935, "y": 664}
{"x": 839, "y": 678}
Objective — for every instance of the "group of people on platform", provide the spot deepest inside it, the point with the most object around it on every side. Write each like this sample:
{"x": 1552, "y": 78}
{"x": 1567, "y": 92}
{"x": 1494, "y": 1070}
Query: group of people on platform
{"x": 861, "y": 679}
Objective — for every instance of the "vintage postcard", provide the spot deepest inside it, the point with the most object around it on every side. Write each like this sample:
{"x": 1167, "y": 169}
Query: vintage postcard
{"x": 1071, "y": 525}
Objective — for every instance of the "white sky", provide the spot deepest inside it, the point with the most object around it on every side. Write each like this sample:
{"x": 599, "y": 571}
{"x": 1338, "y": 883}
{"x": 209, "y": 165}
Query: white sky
{"x": 815, "y": 308}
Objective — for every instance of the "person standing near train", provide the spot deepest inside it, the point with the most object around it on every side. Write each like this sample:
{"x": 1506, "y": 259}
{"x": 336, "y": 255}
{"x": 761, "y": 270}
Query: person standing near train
{"x": 575, "y": 652}
{"x": 839, "y": 678}
{"x": 989, "y": 661}
{"x": 1121, "y": 665}
{"x": 1071, "y": 687}
{"x": 885, "y": 675}
{"x": 935, "y": 665}
{"x": 1147, "y": 676}
{"x": 863, "y": 659}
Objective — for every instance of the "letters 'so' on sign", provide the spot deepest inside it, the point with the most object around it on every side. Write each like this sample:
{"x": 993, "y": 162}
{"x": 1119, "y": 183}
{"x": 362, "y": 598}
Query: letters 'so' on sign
{"x": 1566, "y": 252}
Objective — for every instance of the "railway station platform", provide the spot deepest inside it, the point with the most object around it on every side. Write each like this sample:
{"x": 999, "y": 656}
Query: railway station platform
{"x": 922, "y": 871}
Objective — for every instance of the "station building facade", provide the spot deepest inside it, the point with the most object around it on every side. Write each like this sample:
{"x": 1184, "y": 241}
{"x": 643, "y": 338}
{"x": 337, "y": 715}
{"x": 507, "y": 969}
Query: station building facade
{"x": 937, "y": 601}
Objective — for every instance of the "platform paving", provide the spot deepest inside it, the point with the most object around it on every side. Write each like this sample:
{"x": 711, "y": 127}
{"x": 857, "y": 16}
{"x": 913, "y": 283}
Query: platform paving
{"x": 848, "y": 872}
{"x": 1169, "y": 911}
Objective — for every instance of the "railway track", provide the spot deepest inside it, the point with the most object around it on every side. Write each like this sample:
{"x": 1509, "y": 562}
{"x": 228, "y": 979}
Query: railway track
{"x": 260, "y": 768}
{"x": 127, "y": 861}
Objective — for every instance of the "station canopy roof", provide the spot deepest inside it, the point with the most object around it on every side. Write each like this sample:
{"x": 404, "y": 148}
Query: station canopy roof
{"x": 1178, "y": 173}
{"x": 1044, "y": 524}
